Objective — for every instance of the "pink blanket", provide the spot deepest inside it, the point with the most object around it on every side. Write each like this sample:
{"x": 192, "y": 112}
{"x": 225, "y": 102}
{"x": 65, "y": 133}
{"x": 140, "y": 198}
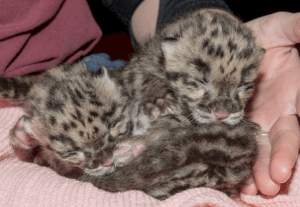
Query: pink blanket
{"x": 29, "y": 185}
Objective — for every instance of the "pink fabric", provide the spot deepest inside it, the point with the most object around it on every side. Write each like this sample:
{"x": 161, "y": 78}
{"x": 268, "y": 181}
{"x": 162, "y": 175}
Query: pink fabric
{"x": 29, "y": 185}
{"x": 38, "y": 34}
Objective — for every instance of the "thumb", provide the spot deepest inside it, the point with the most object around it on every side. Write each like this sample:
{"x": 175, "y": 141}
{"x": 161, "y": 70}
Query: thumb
{"x": 278, "y": 29}
{"x": 290, "y": 24}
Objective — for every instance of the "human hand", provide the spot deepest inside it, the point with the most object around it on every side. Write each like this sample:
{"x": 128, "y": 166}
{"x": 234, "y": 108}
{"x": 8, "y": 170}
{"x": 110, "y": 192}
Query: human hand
{"x": 276, "y": 105}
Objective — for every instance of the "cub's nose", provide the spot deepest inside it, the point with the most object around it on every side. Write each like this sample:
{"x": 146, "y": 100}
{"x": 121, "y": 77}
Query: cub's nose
{"x": 220, "y": 115}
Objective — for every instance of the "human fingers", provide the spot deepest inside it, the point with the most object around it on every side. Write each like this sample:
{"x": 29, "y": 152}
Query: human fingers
{"x": 250, "y": 187}
{"x": 278, "y": 29}
{"x": 285, "y": 142}
{"x": 290, "y": 27}
{"x": 261, "y": 170}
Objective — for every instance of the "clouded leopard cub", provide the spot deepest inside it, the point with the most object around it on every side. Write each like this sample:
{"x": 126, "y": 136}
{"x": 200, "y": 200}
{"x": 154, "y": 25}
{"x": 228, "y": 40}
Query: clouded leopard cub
{"x": 74, "y": 115}
{"x": 202, "y": 67}
{"x": 206, "y": 61}
{"x": 83, "y": 122}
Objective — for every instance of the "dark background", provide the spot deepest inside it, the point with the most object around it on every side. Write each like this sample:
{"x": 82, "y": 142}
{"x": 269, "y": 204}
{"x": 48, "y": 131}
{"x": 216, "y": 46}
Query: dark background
{"x": 117, "y": 44}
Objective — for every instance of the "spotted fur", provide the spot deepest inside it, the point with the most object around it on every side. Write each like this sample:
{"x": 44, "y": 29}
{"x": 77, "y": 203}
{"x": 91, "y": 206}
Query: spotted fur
{"x": 201, "y": 68}
{"x": 75, "y": 115}
{"x": 206, "y": 60}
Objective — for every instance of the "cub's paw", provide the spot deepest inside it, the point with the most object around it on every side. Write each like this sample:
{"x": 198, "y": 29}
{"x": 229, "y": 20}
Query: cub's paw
{"x": 19, "y": 137}
{"x": 127, "y": 151}
{"x": 163, "y": 106}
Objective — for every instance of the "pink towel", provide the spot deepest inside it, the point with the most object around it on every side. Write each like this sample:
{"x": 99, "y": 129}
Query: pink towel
{"x": 29, "y": 185}
{"x": 38, "y": 34}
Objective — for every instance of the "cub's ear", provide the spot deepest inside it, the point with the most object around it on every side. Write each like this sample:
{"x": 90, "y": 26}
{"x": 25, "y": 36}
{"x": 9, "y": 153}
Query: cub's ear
{"x": 102, "y": 72}
{"x": 104, "y": 75}
{"x": 168, "y": 45}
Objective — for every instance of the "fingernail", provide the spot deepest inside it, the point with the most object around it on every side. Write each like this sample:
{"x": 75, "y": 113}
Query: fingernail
{"x": 287, "y": 178}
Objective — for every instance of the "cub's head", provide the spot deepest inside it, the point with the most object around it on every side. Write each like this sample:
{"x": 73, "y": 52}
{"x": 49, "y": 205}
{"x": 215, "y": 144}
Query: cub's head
{"x": 211, "y": 63}
{"x": 78, "y": 116}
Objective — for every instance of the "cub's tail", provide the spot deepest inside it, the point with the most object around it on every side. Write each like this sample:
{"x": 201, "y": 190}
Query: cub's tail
{"x": 15, "y": 89}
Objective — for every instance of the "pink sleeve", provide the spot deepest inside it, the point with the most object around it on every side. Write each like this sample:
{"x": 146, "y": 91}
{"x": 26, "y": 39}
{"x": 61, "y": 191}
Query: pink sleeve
{"x": 38, "y": 34}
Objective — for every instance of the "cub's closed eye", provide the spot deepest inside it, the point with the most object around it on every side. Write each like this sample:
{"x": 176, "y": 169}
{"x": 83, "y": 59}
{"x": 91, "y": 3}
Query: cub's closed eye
{"x": 201, "y": 81}
{"x": 73, "y": 156}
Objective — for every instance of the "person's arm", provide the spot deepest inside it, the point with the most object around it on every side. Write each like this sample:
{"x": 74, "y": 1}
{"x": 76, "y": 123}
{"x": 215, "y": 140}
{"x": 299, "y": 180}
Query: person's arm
{"x": 143, "y": 18}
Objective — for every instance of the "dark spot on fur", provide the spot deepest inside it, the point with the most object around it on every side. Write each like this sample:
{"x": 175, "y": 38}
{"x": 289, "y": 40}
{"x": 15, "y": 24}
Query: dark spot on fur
{"x": 81, "y": 133}
{"x": 211, "y": 50}
{"x": 215, "y": 33}
{"x": 193, "y": 154}
{"x": 147, "y": 80}
{"x": 246, "y": 71}
{"x": 161, "y": 61}
{"x": 88, "y": 85}
{"x": 215, "y": 156}
{"x": 219, "y": 53}
{"x": 222, "y": 69}
{"x": 232, "y": 46}
{"x": 52, "y": 120}
{"x": 54, "y": 104}
{"x": 53, "y": 89}
{"x": 78, "y": 116}
{"x": 90, "y": 119}
{"x": 174, "y": 76}
{"x": 205, "y": 43}
{"x": 63, "y": 139}
{"x": 185, "y": 97}
{"x": 171, "y": 39}
{"x": 214, "y": 20}
{"x": 21, "y": 88}
{"x": 233, "y": 71}
{"x": 79, "y": 94}
{"x": 117, "y": 120}
{"x": 229, "y": 61}
{"x": 129, "y": 127}
{"x": 66, "y": 127}
{"x": 111, "y": 139}
{"x": 94, "y": 114}
{"x": 131, "y": 77}
{"x": 96, "y": 103}
{"x": 178, "y": 189}
{"x": 73, "y": 124}
{"x": 6, "y": 84}
{"x": 201, "y": 66}
{"x": 111, "y": 112}
{"x": 225, "y": 30}
{"x": 245, "y": 53}
{"x": 139, "y": 125}
{"x": 96, "y": 129}
{"x": 69, "y": 67}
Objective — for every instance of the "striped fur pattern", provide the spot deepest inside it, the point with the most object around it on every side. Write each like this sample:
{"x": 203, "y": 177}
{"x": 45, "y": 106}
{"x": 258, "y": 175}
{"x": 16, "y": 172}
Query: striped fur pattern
{"x": 179, "y": 156}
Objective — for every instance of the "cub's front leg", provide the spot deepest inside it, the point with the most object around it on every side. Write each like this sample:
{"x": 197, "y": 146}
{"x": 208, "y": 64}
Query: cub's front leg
{"x": 152, "y": 91}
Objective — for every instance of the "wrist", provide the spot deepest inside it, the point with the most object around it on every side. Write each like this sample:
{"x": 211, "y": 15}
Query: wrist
{"x": 144, "y": 20}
